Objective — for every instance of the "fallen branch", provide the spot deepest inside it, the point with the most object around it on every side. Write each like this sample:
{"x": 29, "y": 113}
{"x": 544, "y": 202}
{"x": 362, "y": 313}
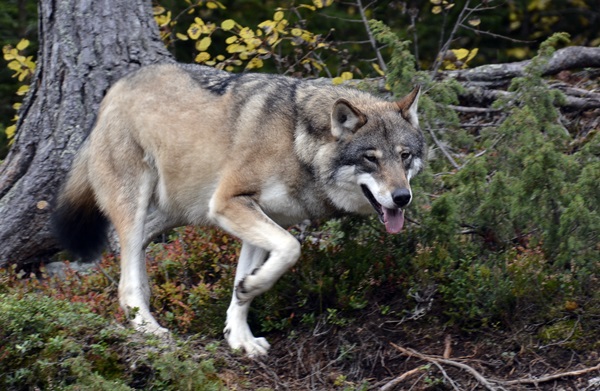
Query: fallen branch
{"x": 550, "y": 377}
{"x": 480, "y": 378}
{"x": 572, "y": 57}
{"x": 393, "y": 383}
{"x": 490, "y": 384}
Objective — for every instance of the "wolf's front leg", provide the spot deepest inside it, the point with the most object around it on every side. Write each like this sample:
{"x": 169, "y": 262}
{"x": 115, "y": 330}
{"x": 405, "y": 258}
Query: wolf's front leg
{"x": 242, "y": 217}
{"x": 237, "y": 332}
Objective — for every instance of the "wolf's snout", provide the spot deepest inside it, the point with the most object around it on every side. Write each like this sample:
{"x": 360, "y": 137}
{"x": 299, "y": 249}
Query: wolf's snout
{"x": 401, "y": 197}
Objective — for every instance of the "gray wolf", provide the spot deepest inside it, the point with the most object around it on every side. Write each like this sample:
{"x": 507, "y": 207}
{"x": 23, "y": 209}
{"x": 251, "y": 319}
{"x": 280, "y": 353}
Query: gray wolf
{"x": 251, "y": 153}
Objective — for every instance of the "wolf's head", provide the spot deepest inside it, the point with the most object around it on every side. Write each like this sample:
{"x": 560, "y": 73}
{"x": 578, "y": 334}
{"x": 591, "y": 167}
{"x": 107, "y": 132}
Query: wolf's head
{"x": 379, "y": 148}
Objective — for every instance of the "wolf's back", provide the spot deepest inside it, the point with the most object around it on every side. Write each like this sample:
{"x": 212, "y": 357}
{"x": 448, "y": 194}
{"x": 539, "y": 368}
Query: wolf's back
{"x": 77, "y": 222}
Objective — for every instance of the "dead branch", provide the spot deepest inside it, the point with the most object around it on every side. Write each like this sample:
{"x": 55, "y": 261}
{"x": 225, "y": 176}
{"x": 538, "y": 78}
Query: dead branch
{"x": 393, "y": 383}
{"x": 493, "y": 75}
{"x": 490, "y": 384}
{"x": 550, "y": 377}
{"x": 480, "y": 378}
{"x": 575, "y": 100}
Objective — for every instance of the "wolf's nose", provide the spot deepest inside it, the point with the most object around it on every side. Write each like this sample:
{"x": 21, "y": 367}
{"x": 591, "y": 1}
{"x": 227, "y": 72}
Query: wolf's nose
{"x": 401, "y": 197}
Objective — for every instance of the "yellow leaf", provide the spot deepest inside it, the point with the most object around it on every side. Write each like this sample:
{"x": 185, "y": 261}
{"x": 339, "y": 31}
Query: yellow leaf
{"x": 14, "y": 65}
{"x": 378, "y": 69}
{"x": 228, "y": 24}
{"x": 158, "y": 10}
{"x": 347, "y": 76}
{"x": 202, "y": 57}
{"x": 318, "y": 3}
{"x": 337, "y": 80}
{"x": 296, "y": 32}
{"x": 211, "y": 5}
{"x": 460, "y": 54}
{"x": 10, "y": 131}
{"x": 246, "y": 33}
{"x": 435, "y": 2}
{"x": 22, "y": 44}
{"x": 273, "y": 39}
{"x": 474, "y": 22}
{"x": 308, "y": 37}
{"x": 310, "y": 7}
{"x": 8, "y": 55}
{"x": 231, "y": 39}
{"x": 234, "y": 48}
{"x": 182, "y": 37}
{"x": 209, "y": 28}
{"x": 255, "y": 63}
{"x": 436, "y": 9}
{"x": 203, "y": 44}
{"x": 229, "y": 68}
{"x": 17, "y": 106}
{"x": 220, "y": 57}
{"x": 194, "y": 31}
{"x": 278, "y": 16}
{"x": 518, "y": 53}
{"x": 472, "y": 54}
{"x": 22, "y": 90}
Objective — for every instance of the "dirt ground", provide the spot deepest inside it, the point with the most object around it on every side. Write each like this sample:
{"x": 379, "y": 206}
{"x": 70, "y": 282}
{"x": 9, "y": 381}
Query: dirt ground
{"x": 375, "y": 353}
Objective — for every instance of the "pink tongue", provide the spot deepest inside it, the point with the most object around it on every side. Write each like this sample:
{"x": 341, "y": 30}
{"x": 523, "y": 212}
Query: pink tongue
{"x": 393, "y": 219}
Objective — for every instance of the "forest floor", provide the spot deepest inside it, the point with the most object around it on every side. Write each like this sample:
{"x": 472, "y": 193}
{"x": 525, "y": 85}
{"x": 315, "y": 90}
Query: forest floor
{"x": 374, "y": 352}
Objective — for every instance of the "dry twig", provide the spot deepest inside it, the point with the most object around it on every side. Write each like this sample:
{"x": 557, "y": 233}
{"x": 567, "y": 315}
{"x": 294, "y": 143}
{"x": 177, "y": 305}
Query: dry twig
{"x": 490, "y": 384}
{"x": 548, "y": 378}
{"x": 480, "y": 378}
{"x": 393, "y": 383}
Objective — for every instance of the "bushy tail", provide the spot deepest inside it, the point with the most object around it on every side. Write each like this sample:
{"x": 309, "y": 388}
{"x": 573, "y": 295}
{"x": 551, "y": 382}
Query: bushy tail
{"x": 77, "y": 222}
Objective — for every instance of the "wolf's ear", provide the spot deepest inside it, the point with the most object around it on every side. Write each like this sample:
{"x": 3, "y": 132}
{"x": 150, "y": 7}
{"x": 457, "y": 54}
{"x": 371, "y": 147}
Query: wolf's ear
{"x": 408, "y": 106}
{"x": 345, "y": 119}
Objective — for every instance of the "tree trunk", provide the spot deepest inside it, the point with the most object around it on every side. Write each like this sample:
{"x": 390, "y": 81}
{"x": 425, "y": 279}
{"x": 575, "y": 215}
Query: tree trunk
{"x": 85, "y": 46}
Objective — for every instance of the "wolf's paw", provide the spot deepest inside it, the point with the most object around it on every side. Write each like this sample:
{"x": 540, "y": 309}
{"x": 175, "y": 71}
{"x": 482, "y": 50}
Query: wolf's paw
{"x": 149, "y": 326}
{"x": 242, "y": 338}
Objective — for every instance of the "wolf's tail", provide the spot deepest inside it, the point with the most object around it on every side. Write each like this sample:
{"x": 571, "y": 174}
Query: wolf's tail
{"x": 77, "y": 222}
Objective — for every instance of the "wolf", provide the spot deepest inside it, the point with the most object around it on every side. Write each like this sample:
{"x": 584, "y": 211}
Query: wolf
{"x": 177, "y": 144}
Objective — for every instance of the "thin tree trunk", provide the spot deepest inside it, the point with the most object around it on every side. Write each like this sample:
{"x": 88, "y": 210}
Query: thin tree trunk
{"x": 85, "y": 46}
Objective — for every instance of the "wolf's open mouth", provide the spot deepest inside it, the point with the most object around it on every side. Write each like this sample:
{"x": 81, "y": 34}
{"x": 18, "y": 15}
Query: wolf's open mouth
{"x": 392, "y": 218}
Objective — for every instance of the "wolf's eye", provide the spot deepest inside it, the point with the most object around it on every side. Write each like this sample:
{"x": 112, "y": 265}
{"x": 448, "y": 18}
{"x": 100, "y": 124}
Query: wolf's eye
{"x": 371, "y": 158}
{"x": 405, "y": 156}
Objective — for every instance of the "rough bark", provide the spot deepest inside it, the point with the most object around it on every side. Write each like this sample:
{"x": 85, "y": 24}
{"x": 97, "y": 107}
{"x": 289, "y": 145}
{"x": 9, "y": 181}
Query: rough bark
{"x": 85, "y": 46}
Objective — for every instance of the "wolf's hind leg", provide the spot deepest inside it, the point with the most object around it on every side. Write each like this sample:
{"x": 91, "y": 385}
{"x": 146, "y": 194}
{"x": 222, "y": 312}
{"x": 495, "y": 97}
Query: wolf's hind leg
{"x": 237, "y": 332}
{"x": 128, "y": 212}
